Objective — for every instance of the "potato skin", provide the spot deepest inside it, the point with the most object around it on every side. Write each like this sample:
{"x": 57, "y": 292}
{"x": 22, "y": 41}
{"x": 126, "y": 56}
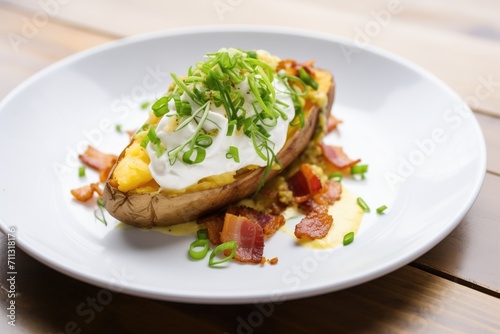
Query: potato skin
{"x": 157, "y": 209}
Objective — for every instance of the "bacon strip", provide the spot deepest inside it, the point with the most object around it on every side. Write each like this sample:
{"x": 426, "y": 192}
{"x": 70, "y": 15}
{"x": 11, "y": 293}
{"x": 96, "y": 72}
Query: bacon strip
{"x": 269, "y": 223}
{"x": 305, "y": 182}
{"x": 85, "y": 193}
{"x": 332, "y": 123}
{"x": 99, "y": 161}
{"x": 315, "y": 225}
{"x": 214, "y": 225}
{"x": 247, "y": 234}
{"x": 336, "y": 156}
{"x": 329, "y": 194}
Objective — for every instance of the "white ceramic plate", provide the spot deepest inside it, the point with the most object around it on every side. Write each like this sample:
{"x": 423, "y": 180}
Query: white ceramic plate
{"x": 424, "y": 148}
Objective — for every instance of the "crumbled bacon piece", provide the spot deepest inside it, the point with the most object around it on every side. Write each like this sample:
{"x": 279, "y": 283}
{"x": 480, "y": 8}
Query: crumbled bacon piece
{"x": 214, "y": 225}
{"x": 85, "y": 193}
{"x": 315, "y": 225}
{"x": 336, "y": 156}
{"x": 305, "y": 182}
{"x": 99, "y": 161}
{"x": 269, "y": 223}
{"x": 332, "y": 123}
{"x": 247, "y": 234}
{"x": 329, "y": 193}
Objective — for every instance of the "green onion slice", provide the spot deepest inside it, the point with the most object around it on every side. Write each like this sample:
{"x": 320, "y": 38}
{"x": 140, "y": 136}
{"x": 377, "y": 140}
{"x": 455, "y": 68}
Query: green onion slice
{"x": 118, "y": 128}
{"x": 204, "y": 141}
{"x": 199, "y": 156}
{"x": 359, "y": 170}
{"x": 336, "y": 176}
{"x": 232, "y": 245}
{"x": 307, "y": 79}
{"x": 233, "y": 154}
{"x": 199, "y": 254}
{"x": 202, "y": 234}
{"x": 381, "y": 209}
{"x": 363, "y": 204}
{"x": 81, "y": 171}
{"x": 348, "y": 238}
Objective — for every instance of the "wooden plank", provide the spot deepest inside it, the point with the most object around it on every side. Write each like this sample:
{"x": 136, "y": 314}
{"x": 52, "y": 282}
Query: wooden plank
{"x": 52, "y": 41}
{"x": 491, "y": 131}
{"x": 407, "y": 300}
{"x": 457, "y": 41}
{"x": 471, "y": 251}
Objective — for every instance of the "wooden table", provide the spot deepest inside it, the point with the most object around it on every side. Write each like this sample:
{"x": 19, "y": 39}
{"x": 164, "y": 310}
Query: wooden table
{"x": 455, "y": 287}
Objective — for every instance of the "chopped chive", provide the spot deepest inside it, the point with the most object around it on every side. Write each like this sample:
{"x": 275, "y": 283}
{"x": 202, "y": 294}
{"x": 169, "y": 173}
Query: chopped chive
{"x": 363, "y": 204}
{"x": 144, "y": 105}
{"x": 160, "y": 107}
{"x": 118, "y": 128}
{"x": 359, "y": 170}
{"x": 381, "y": 209}
{"x": 348, "y": 238}
{"x": 336, "y": 176}
{"x": 199, "y": 254}
{"x": 199, "y": 152}
{"x": 202, "y": 234}
{"x": 100, "y": 206}
{"x": 230, "y": 245}
{"x": 81, "y": 171}
{"x": 233, "y": 154}
{"x": 307, "y": 79}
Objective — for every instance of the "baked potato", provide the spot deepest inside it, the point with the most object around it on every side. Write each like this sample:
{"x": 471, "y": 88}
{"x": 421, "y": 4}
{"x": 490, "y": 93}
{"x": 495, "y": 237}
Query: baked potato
{"x": 132, "y": 194}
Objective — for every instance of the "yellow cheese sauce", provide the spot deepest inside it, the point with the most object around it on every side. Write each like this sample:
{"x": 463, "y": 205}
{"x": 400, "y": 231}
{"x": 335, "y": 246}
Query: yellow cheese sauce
{"x": 180, "y": 229}
{"x": 347, "y": 217}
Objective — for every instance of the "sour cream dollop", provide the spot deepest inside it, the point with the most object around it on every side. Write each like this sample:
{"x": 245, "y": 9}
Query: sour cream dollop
{"x": 180, "y": 175}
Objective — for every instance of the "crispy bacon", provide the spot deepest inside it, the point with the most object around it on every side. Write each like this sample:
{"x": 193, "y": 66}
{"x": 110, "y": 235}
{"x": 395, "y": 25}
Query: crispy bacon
{"x": 268, "y": 222}
{"x": 304, "y": 183}
{"x": 99, "y": 161}
{"x": 329, "y": 194}
{"x": 247, "y": 234}
{"x": 85, "y": 193}
{"x": 315, "y": 225}
{"x": 214, "y": 225}
{"x": 326, "y": 197}
{"x": 336, "y": 156}
{"x": 332, "y": 123}
{"x": 291, "y": 67}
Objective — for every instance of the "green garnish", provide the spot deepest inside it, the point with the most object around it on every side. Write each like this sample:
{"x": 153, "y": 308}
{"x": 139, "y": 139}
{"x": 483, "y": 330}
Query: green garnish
{"x": 81, "y": 171}
{"x": 359, "y": 170}
{"x": 307, "y": 79}
{"x": 100, "y": 206}
{"x": 202, "y": 234}
{"x": 199, "y": 254}
{"x": 381, "y": 209}
{"x": 232, "y": 245}
{"x": 233, "y": 154}
{"x": 118, "y": 128}
{"x": 363, "y": 204}
{"x": 348, "y": 238}
{"x": 144, "y": 105}
{"x": 336, "y": 176}
{"x": 150, "y": 137}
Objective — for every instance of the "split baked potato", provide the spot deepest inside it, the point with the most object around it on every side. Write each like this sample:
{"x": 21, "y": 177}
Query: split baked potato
{"x": 133, "y": 196}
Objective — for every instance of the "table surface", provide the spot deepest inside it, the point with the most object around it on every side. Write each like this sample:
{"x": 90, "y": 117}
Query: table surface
{"x": 455, "y": 287}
